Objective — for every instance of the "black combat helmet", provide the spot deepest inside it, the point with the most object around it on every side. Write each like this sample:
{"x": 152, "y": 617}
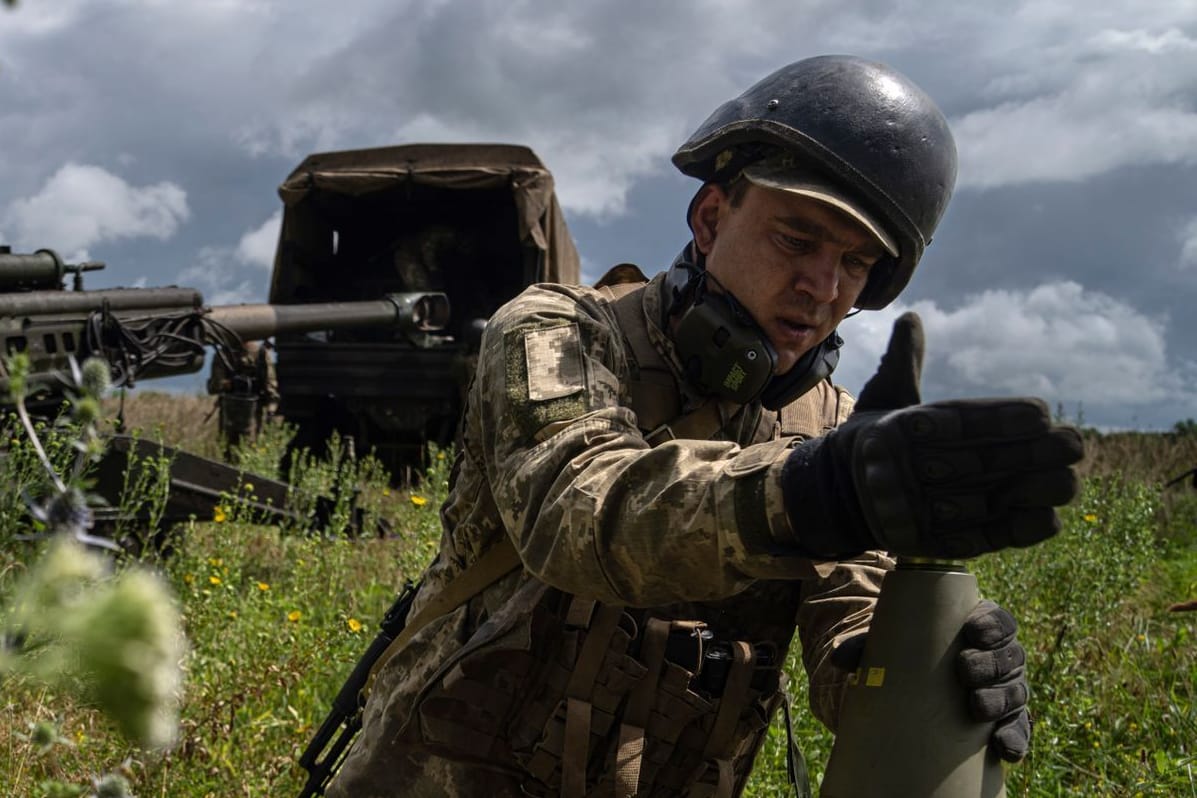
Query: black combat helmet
{"x": 869, "y": 128}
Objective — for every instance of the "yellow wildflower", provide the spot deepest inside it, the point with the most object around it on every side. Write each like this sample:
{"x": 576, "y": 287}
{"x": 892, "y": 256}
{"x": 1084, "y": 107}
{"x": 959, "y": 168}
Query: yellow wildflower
{"x": 294, "y": 615}
{"x": 214, "y": 579}
{"x": 233, "y": 614}
{"x": 418, "y": 501}
{"x": 219, "y": 515}
{"x": 354, "y": 625}
{"x": 1090, "y": 517}
{"x": 215, "y": 562}
{"x": 188, "y": 578}
{"x": 440, "y": 455}
{"x": 386, "y": 491}
{"x": 263, "y": 586}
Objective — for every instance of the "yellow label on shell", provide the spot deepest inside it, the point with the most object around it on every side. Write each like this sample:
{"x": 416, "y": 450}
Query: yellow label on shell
{"x": 875, "y": 678}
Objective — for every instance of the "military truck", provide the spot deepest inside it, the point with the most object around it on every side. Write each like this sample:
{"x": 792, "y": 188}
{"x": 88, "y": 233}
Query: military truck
{"x": 477, "y": 222}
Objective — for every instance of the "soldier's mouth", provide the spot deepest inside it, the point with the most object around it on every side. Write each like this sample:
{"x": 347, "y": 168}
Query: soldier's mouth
{"x": 795, "y": 331}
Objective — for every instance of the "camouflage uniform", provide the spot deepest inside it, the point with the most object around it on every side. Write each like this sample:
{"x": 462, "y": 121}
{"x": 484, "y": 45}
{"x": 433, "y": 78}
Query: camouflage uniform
{"x": 626, "y": 547}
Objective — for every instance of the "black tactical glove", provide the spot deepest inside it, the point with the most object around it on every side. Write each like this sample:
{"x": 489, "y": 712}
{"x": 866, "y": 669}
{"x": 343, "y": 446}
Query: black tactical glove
{"x": 947, "y": 479}
{"x": 991, "y": 666}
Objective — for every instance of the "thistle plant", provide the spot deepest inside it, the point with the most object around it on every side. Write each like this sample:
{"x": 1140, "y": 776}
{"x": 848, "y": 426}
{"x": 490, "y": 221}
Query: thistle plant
{"x": 65, "y": 509}
{"x": 111, "y": 636}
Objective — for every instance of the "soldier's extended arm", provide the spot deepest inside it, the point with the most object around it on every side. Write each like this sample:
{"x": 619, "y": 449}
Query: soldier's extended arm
{"x": 590, "y": 506}
{"x": 947, "y": 479}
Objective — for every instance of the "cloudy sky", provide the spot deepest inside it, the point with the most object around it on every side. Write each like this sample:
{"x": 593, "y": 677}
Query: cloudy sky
{"x": 152, "y": 134}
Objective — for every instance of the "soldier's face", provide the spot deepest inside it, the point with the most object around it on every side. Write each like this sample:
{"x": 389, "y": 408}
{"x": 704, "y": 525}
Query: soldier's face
{"x": 796, "y": 264}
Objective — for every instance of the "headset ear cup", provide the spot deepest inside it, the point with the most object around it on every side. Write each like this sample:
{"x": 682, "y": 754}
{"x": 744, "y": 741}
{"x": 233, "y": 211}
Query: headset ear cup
{"x": 724, "y": 352}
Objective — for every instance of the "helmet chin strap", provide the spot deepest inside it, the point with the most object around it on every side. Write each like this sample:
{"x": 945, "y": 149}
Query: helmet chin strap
{"x": 702, "y": 321}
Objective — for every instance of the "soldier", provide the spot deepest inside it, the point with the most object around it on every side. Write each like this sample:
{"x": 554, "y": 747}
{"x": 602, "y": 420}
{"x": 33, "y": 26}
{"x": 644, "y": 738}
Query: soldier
{"x": 658, "y": 482}
{"x": 246, "y": 392}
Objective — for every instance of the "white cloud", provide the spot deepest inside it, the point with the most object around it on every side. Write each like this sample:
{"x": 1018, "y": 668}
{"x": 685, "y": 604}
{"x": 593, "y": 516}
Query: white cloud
{"x": 219, "y": 271}
{"x": 218, "y": 275}
{"x": 1188, "y": 245}
{"x": 1171, "y": 40}
{"x": 1057, "y": 341}
{"x": 1098, "y": 100}
{"x": 81, "y": 205}
{"x": 1069, "y": 137}
{"x": 257, "y": 246}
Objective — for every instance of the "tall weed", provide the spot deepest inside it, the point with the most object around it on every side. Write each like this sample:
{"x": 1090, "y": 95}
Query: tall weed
{"x": 275, "y": 617}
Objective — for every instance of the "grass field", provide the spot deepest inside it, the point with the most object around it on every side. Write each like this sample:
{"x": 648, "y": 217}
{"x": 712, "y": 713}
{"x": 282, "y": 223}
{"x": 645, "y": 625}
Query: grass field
{"x": 276, "y": 617}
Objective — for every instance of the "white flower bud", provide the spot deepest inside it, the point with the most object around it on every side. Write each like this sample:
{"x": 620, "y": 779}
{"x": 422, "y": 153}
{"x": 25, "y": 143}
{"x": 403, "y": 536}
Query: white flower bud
{"x": 131, "y": 646}
{"x": 96, "y": 377}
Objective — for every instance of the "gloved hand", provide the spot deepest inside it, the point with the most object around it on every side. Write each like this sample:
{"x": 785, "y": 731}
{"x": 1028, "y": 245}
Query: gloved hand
{"x": 990, "y": 666}
{"x": 949, "y": 479}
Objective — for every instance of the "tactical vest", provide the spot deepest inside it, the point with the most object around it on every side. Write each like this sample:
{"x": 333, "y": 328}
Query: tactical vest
{"x": 600, "y": 700}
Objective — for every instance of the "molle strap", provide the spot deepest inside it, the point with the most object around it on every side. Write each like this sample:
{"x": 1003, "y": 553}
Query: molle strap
{"x": 732, "y": 704}
{"x": 630, "y": 753}
{"x": 598, "y": 638}
{"x": 579, "y": 613}
{"x": 575, "y": 750}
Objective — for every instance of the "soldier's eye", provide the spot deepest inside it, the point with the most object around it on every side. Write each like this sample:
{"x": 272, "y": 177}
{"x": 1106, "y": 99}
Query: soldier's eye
{"x": 797, "y": 244}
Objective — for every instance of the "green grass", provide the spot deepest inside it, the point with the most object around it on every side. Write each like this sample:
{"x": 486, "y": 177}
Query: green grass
{"x": 273, "y": 615}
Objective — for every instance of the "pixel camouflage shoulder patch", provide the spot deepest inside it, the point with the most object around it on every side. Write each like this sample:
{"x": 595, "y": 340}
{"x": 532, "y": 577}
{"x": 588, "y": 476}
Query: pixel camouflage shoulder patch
{"x": 546, "y": 377}
{"x": 553, "y": 359}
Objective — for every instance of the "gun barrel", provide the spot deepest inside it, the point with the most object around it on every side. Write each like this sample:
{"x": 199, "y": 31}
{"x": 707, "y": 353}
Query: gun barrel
{"x": 68, "y": 303}
{"x": 418, "y": 312}
{"x": 43, "y": 269}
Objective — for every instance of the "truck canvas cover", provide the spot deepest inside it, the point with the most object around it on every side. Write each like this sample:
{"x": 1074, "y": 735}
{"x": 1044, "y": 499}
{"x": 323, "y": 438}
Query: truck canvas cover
{"x": 478, "y": 222}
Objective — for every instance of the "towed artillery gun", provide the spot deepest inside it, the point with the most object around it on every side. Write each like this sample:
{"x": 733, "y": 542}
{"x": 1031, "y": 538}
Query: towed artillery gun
{"x": 145, "y": 333}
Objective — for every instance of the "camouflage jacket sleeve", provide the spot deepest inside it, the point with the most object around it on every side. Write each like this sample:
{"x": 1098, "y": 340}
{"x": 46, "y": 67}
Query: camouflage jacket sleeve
{"x": 835, "y": 606}
{"x": 591, "y": 507}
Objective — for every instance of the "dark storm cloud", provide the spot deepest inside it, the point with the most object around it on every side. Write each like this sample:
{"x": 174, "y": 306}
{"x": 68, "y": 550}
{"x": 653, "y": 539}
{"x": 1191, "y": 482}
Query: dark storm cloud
{"x": 1073, "y": 232}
